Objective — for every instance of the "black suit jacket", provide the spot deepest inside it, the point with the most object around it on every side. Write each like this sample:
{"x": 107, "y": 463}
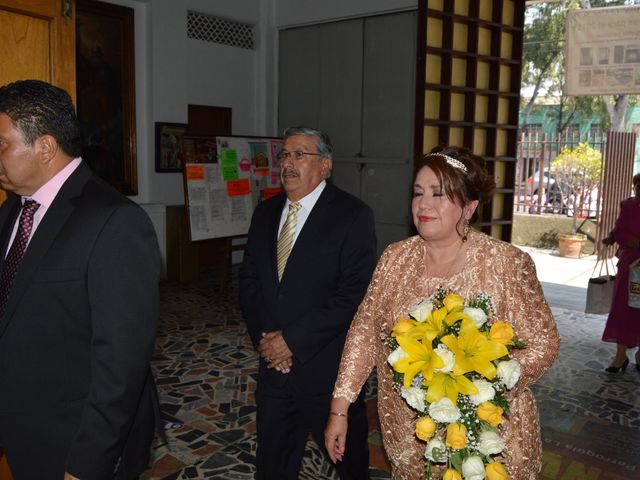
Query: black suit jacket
{"x": 77, "y": 335}
{"x": 324, "y": 281}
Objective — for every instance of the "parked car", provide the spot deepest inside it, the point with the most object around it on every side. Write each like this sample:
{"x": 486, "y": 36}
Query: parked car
{"x": 590, "y": 207}
{"x": 556, "y": 193}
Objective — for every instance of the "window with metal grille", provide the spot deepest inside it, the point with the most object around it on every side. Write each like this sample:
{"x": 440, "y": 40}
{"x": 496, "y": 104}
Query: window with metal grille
{"x": 220, "y": 30}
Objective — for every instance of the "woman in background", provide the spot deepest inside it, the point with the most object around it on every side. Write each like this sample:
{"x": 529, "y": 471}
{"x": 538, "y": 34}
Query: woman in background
{"x": 623, "y": 324}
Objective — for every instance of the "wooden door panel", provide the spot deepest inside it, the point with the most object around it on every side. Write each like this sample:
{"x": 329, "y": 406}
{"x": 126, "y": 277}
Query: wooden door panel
{"x": 37, "y": 40}
{"x": 24, "y": 47}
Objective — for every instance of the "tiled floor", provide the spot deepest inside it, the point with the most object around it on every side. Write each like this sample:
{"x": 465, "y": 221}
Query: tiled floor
{"x": 206, "y": 370}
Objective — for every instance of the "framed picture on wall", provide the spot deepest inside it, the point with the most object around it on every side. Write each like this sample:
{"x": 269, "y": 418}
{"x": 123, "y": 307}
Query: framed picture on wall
{"x": 105, "y": 85}
{"x": 170, "y": 146}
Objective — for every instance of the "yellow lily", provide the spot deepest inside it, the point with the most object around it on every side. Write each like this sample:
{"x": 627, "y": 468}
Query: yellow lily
{"x": 454, "y": 315}
{"x": 473, "y": 351}
{"x": 502, "y": 332}
{"x": 449, "y": 385}
{"x": 452, "y": 300}
{"x": 434, "y": 326}
{"x": 402, "y": 326}
{"x": 421, "y": 358}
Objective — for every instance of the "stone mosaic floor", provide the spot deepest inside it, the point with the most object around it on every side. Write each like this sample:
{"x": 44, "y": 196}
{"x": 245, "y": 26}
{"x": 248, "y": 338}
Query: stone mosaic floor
{"x": 206, "y": 371}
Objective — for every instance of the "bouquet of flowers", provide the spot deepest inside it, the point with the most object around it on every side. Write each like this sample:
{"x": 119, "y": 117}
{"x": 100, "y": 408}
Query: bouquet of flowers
{"x": 453, "y": 367}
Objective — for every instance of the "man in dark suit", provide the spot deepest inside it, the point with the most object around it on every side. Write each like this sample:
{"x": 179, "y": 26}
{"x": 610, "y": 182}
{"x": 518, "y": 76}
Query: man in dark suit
{"x": 307, "y": 264}
{"x": 78, "y": 303}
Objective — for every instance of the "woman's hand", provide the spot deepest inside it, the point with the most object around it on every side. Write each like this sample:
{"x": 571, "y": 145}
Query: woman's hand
{"x": 608, "y": 240}
{"x": 335, "y": 434}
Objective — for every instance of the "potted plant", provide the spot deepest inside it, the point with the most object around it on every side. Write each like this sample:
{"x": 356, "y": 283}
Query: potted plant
{"x": 578, "y": 171}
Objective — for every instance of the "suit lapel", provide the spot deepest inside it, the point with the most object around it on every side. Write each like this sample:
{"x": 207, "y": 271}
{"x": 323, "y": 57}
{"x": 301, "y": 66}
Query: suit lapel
{"x": 46, "y": 233}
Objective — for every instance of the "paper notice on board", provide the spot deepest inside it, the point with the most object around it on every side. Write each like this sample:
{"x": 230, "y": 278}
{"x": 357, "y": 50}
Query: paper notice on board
{"x": 240, "y": 209}
{"x": 222, "y": 195}
{"x": 229, "y": 164}
{"x": 236, "y": 188}
{"x": 217, "y": 205}
{"x": 195, "y": 172}
{"x": 259, "y": 158}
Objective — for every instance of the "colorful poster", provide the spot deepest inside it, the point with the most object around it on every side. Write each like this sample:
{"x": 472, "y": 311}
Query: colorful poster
{"x": 223, "y": 193}
{"x": 259, "y": 158}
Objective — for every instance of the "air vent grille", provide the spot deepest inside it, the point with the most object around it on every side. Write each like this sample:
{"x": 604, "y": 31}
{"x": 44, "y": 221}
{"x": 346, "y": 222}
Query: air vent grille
{"x": 220, "y": 30}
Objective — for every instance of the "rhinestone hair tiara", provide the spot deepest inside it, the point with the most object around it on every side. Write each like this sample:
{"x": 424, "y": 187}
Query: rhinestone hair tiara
{"x": 450, "y": 160}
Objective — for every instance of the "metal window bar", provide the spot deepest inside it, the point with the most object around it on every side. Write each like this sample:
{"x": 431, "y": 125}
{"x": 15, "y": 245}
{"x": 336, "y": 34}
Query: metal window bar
{"x": 536, "y": 189}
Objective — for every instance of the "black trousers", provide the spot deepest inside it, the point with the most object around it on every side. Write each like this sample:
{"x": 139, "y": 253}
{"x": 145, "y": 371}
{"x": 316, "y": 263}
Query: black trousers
{"x": 284, "y": 421}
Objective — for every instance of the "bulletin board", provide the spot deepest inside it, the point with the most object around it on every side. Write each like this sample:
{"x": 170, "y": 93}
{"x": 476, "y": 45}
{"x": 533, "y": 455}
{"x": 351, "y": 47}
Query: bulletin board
{"x": 222, "y": 190}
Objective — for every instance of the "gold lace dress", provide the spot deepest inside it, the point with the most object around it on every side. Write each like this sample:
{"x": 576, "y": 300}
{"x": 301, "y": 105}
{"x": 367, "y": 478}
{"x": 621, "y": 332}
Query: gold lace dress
{"x": 399, "y": 283}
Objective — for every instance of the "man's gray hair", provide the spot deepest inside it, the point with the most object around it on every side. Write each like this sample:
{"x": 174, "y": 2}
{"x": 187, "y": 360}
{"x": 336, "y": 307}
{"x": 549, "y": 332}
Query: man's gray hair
{"x": 323, "y": 142}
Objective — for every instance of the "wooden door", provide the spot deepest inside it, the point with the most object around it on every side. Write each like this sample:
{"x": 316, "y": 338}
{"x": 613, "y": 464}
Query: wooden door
{"x": 37, "y": 40}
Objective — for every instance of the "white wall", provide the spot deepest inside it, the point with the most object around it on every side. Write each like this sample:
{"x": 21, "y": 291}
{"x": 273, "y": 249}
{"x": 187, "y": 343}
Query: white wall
{"x": 188, "y": 71}
{"x": 173, "y": 71}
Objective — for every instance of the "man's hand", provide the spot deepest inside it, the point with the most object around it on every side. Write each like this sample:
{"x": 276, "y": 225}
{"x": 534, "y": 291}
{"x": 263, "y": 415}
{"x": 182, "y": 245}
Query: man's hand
{"x": 283, "y": 367}
{"x": 68, "y": 476}
{"x": 275, "y": 351}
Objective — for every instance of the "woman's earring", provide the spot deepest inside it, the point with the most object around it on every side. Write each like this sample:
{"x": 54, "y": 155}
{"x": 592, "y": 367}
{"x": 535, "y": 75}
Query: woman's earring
{"x": 465, "y": 231}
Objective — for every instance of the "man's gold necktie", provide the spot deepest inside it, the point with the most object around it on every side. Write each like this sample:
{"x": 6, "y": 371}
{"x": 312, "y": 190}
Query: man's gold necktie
{"x": 285, "y": 240}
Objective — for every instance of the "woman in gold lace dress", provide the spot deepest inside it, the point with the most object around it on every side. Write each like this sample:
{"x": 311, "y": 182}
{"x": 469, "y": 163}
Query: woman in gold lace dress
{"x": 449, "y": 184}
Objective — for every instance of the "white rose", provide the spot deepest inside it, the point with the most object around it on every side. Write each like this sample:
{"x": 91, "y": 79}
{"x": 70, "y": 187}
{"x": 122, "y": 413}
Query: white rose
{"x": 485, "y": 392}
{"x": 509, "y": 373}
{"x": 421, "y": 311}
{"x": 444, "y": 411}
{"x": 396, "y": 355}
{"x": 447, "y": 357}
{"x": 490, "y": 443}
{"x": 415, "y": 397}
{"x": 476, "y": 315}
{"x": 473, "y": 468}
{"x": 436, "y": 451}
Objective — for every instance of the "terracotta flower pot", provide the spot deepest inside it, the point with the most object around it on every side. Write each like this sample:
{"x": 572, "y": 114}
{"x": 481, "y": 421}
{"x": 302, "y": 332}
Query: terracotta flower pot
{"x": 571, "y": 245}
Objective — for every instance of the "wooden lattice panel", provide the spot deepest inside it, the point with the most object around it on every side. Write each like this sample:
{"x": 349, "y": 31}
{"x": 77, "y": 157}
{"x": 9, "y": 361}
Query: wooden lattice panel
{"x": 470, "y": 54}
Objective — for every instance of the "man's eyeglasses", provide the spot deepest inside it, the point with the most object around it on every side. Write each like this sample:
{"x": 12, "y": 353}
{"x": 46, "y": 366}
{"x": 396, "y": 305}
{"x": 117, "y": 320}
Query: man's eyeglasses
{"x": 297, "y": 155}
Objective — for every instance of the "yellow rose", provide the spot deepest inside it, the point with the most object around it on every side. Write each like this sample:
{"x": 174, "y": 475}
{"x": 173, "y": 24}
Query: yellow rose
{"x": 403, "y": 325}
{"x": 451, "y": 474}
{"x": 501, "y": 332}
{"x": 456, "y": 436}
{"x": 452, "y": 301}
{"x": 496, "y": 471}
{"x": 425, "y": 428}
{"x": 490, "y": 413}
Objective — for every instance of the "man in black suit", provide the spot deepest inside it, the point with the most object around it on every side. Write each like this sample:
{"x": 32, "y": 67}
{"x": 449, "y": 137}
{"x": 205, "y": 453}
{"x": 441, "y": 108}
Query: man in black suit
{"x": 307, "y": 264}
{"x": 78, "y": 304}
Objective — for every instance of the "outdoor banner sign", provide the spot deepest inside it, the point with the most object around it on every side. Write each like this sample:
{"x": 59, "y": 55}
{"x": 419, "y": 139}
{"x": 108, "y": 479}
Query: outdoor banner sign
{"x": 602, "y": 51}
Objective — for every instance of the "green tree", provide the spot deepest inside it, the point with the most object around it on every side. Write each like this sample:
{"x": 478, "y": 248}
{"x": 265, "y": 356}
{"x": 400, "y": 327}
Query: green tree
{"x": 578, "y": 168}
{"x": 543, "y": 67}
